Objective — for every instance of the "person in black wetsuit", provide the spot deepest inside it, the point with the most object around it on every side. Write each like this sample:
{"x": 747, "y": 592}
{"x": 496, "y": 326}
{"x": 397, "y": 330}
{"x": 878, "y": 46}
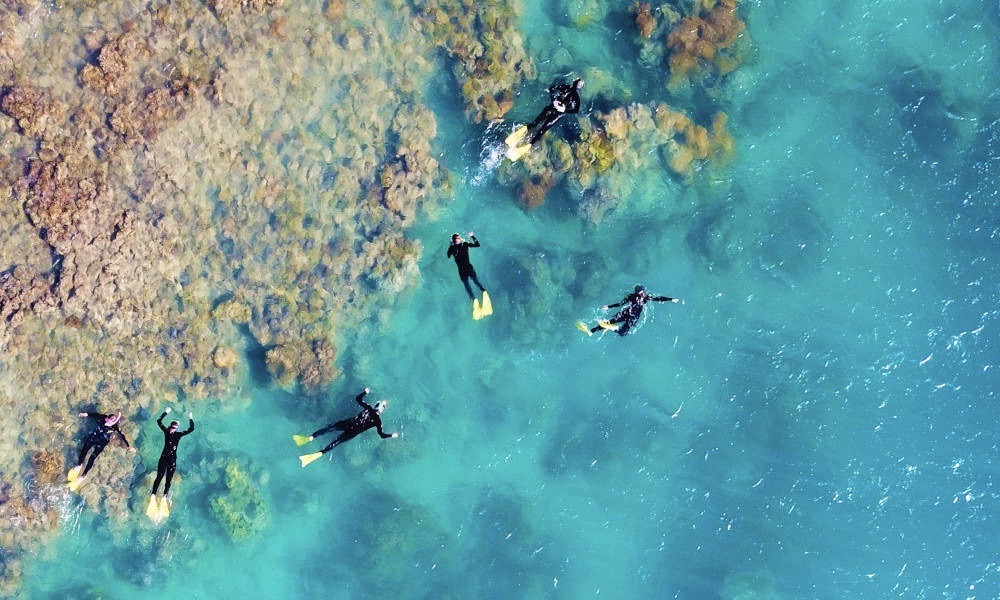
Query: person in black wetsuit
{"x": 95, "y": 442}
{"x": 168, "y": 457}
{"x": 459, "y": 249}
{"x": 564, "y": 100}
{"x": 628, "y": 316}
{"x": 366, "y": 419}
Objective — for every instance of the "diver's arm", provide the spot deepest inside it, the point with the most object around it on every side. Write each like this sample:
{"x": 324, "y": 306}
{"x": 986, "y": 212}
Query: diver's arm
{"x": 360, "y": 400}
{"x": 121, "y": 436}
{"x": 382, "y": 434}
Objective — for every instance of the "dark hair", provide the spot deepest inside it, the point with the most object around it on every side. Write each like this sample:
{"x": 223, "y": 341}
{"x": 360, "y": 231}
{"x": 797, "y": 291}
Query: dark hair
{"x": 175, "y": 423}
{"x": 455, "y": 236}
{"x": 640, "y": 288}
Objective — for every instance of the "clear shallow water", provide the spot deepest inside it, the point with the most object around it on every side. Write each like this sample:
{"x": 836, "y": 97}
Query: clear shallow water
{"x": 815, "y": 421}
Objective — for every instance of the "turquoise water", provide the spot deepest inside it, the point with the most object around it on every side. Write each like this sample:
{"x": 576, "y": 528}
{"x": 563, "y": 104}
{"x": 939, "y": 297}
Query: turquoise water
{"x": 816, "y": 420}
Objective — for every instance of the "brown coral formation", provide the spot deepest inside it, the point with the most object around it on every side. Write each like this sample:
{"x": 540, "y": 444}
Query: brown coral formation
{"x": 111, "y": 74}
{"x": 22, "y": 291}
{"x": 230, "y": 8}
{"x": 531, "y": 191}
{"x": 645, "y": 22}
{"x": 486, "y": 48}
{"x": 32, "y": 109}
{"x": 310, "y": 363}
{"x": 699, "y": 40}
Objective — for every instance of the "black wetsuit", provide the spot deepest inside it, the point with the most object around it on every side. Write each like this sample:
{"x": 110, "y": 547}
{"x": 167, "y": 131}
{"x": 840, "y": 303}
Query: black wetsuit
{"x": 168, "y": 457}
{"x": 465, "y": 271}
{"x": 570, "y": 99}
{"x": 365, "y": 420}
{"x": 632, "y": 305}
{"x": 97, "y": 440}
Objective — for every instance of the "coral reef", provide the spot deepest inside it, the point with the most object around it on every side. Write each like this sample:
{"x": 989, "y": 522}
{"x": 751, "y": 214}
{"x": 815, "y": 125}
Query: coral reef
{"x": 30, "y": 517}
{"x": 700, "y": 40}
{"x": 223, "y": 357}
{"x": 709, "y": 40}
{"x": 645, "y": 22}
{"x": 34, "y": 111}
{"x": 582, "y": 13}
{"x": 22, "y": 292}
{"x": 115, "y": 59}
{"x": 230, "y": 8}
{"x": 48, "y": 467}
{"x": 312, "y": 363}
{"x": 240, "y": 509}
{"x": 190, "y": 181}
{"x": 531, "y": 191}
{"x": 486, "y": 48}
{"x": 600, "y": 165}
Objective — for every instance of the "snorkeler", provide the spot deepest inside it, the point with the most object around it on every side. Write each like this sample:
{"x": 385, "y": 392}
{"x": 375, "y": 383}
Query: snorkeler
{"x": 363, "y": 421}
{"x": 167, "y": 464}
{"x": 459, "y": 249}
{"x": 628, "y": 316}
{"x": 96, "y": 441}
{"x": 563, "y": 99}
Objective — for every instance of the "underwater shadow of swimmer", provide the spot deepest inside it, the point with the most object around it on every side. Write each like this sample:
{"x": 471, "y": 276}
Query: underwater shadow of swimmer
{"x": 256, "y": 356}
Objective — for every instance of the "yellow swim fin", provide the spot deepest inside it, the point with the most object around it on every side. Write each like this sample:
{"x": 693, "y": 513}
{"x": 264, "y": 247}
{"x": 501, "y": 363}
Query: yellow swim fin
{"x": 487, "y": 306}
{"x": 477, "y": 310}
{"x": 164, "y": 510}
{"x": 583, "y": 327}
{"x": 301, "y": 440}
{"x": 74, "y": 473}
{"x": 608, "y": 325}
{"x": 76, "y": 483}
{"x": 516, "y": 136}
{"x": 516, "y": 152}
{"x": 305, "y": 459}
{"x": 153, "y": 507}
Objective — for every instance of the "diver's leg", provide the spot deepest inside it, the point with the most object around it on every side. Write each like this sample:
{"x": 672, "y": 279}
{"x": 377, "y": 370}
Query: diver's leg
{"x": 551, "y": 115}
{"x": 93, "y": 457}
{"x": 83, "y": 453}
{"x": 170, "y": 475}
{"x": 468, "y": 288}
{"x": 156, "y": 482}
{"x": 325, "y": 429}
{"x": 340, "y": 440}
{"x": 476, "y": 281}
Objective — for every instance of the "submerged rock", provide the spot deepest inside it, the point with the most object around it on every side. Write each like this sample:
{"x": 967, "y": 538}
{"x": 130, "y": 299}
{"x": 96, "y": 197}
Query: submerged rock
{"x": 240, "y": 509}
